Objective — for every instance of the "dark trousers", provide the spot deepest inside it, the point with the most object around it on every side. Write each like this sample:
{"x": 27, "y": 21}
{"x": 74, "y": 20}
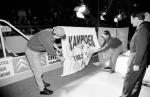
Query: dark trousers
{"x": 133, "y": 81}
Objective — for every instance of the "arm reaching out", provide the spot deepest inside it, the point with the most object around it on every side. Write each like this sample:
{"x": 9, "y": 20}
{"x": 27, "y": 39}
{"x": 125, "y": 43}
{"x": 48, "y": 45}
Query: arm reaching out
{"x": 56, "y": 47}
{"x": 104, "y": 48}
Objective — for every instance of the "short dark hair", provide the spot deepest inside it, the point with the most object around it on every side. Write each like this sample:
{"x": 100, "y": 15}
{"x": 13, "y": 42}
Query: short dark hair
{"x": 64, "y": 36}
{"x": 106, "y": 32}
{"x": 138, "y": 12}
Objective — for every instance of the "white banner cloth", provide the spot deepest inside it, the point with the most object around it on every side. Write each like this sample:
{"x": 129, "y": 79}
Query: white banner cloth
{"x": 77, "y": 48}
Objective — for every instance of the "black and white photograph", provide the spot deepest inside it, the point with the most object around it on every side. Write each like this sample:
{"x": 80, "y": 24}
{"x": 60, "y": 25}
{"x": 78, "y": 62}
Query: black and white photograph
{"x": 74, "y": 48}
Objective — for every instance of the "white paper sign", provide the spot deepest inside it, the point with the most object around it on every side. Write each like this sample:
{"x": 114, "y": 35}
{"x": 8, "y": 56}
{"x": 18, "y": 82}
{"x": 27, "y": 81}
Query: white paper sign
{"x": 77, "y": 48}
{"x": 6, "y": 68}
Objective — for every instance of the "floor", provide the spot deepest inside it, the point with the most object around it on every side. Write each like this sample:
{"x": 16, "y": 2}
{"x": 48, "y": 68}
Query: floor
{"x": 90, "y": 82}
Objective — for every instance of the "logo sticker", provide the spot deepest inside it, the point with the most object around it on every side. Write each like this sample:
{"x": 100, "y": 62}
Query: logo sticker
{"x": 20, "y": 65}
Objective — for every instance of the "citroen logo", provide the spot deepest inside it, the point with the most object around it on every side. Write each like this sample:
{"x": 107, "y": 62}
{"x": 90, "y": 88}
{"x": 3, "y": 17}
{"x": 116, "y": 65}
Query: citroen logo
{"x": 21, "y": 64}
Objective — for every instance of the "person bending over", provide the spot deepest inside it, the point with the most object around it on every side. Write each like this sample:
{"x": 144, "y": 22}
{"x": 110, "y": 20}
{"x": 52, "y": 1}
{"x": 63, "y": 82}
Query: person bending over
{"x": 39, "y": 43}
{"x": 115, "y": 45}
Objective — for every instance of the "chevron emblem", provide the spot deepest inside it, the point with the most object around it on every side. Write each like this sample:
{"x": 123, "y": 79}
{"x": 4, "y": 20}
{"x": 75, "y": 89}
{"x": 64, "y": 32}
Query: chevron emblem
{"x": 22, "y": 64}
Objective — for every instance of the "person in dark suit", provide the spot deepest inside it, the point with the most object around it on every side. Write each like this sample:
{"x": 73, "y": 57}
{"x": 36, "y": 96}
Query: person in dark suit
{"x": 147, "y": 18}
{"x": 140, "y": 49}
{"x": 39, "y": 43}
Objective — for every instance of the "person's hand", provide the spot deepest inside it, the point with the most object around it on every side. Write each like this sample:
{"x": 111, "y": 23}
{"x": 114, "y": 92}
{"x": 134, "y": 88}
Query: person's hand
{"x": 62, "y": 60}
{"x": 136, "y": 68}
{"x": 59, "y": 52}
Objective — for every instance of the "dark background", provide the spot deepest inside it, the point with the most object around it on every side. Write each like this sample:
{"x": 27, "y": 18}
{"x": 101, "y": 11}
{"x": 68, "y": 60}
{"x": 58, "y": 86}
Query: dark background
{"x": 60, "y": 12}
{"x": 41, "y": 14}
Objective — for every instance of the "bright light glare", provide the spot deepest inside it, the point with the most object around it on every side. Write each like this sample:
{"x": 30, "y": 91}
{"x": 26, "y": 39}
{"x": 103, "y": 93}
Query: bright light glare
{"x": 82, "y": 8}
{"x": 103, "y": 13}
{"x": 80, "y": 15}
{"x": 102, "y": 17}
{"x": 115, "y": 20}
{"x": 119, "y": 15}
{"x": 81, "y": 11}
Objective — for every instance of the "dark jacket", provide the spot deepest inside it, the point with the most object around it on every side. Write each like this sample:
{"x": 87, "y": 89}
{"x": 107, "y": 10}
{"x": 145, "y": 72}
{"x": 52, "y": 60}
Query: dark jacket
{"x": 42, "y": 41}
{"x": 140, "y": 44}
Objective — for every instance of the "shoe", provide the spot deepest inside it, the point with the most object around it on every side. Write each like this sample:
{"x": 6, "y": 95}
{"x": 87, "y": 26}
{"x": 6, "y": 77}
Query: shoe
{"x": 111, "y": 71}
{"x": 46, "y": 92}
{"x": 144, "y": 83}
{"x": 46, "y": 84}
{"x": 107, "y": 67}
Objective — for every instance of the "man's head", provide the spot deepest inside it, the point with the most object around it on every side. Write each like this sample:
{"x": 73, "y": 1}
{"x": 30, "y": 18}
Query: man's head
{"x": 147, "y": 16}
{"x": 59, "y": 31}
{"x": 146, "y": 10}
{"x": 106, "y": 34}
{"x": 137, "y": 17}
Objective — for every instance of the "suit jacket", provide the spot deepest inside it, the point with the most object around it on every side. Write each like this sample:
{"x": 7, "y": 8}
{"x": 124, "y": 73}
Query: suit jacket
{"x": 140, "y": 45}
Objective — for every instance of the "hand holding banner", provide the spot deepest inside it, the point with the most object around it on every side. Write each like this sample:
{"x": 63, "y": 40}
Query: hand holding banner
{"x": 78, "y": 48}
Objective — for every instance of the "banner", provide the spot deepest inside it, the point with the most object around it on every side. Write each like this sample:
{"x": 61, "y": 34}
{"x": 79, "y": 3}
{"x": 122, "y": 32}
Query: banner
{"x": 6, "y": 68}
{"x": 77, "y": 48}
{"x": 14, "y": 69}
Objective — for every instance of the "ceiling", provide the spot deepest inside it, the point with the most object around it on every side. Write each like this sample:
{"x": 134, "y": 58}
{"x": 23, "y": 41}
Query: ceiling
{"x": 112, "y": 7}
